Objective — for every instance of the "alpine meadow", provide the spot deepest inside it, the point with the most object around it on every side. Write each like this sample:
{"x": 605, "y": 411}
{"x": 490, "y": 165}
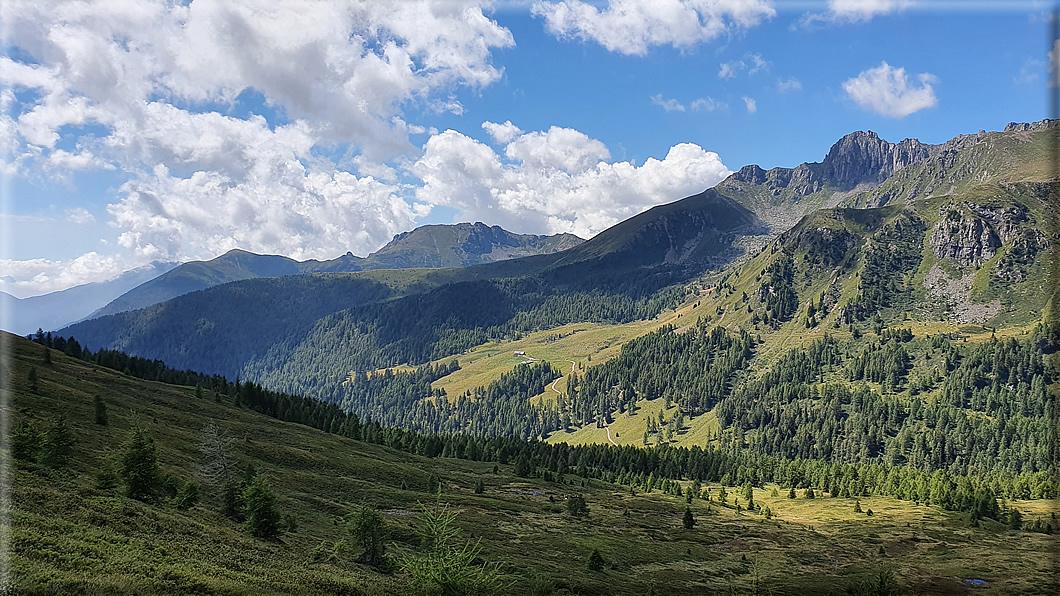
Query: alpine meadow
{"x": 836, "y": 378}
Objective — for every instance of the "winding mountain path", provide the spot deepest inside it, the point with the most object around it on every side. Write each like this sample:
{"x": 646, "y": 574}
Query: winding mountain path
{"x": 553, "y": 385}
{"x": 573, "y": 365}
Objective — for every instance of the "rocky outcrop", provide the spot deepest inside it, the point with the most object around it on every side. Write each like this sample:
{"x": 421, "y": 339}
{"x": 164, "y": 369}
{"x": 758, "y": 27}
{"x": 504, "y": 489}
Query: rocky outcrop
{"x": 971, "y": 234}
{"x": 859, "y": 158}
{"x": 1032, "y": 126}
{"x": 955, "y": 295}
{"x": 863, "y": 157}
{"x": 963, "y": 237}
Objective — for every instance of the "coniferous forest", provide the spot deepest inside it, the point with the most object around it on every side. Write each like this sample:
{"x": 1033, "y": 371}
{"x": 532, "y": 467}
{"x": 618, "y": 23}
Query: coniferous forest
{"x": 786, "y": 427}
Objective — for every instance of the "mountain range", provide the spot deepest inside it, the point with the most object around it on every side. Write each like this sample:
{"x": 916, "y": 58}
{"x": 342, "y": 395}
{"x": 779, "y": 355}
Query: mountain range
{"x": 835, "y": 368}
{"x": 880, "y": 233}
{"x": 431, "y": 246}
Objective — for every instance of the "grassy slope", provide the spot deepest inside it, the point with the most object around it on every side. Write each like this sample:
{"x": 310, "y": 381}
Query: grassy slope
{"x": 1022, "y": 303}
{"x": 71, "y": 537}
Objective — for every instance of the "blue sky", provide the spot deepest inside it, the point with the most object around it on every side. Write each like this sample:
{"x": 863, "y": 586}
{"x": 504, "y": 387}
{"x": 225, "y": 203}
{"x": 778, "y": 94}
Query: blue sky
{"x": 136, "y": 131}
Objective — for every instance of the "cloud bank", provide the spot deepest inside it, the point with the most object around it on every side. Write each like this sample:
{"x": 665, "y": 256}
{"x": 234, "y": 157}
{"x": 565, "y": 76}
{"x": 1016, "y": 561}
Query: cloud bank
{"x": 633, "y": 26}
{"x": 153, "y": 89}
{"x": 554, "y": 181}
{"x": 283, "y": 126}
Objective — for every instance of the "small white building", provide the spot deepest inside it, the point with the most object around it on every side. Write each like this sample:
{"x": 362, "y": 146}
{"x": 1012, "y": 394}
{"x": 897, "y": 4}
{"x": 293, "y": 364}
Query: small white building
{"x": 519, "y": 353}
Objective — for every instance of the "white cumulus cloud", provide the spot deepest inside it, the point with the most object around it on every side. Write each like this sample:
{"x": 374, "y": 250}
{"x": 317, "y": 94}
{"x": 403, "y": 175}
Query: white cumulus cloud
{"x": 32, "y": 277}
{"x": 751, "y": 63}
{"x": 670, "y": 105}
{"x": 502, "y": 133}
{"x": 555, "y": 181}
{"x": 708, "y": 104}
{"x": 148, "y": 87}
{"x": 562, "y": 149}
{"x": 79, "y": 216}
{"x": 863, "y": 10}
{"x": 890, "y": 92}
{"x": 790, "y": 84}
{"x": 853, "y": 11}
{"x": 750, "y": 104}
{"x": 284, "y": 208}
{"x": 634, "y": 26}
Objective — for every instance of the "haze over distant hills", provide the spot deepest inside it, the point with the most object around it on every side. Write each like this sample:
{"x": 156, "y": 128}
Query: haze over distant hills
{"x": 56, "y": 309}
{"x": 457, "y": 245}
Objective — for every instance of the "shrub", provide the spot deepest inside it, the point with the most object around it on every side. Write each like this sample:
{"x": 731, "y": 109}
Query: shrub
{"x": 369, "y": 532}
{"x": 576, "y": 506}
{"x": 596, "y": 561}
{"x": 448, "y": 567}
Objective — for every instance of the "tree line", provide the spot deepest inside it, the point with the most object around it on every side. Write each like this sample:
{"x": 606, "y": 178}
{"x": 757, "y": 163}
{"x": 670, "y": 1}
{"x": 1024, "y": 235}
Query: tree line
{"x": 953, "y": 487}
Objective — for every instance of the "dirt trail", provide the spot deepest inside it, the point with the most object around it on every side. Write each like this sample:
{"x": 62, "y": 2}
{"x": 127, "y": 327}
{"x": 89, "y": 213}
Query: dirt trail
{"x": 573, "y": 364}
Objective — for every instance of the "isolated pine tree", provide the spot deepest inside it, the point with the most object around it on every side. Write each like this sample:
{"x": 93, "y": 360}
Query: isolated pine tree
{"x": 101, "y": 410}
{"x": 139, "y": 467}
{"x": 369, "y": 532}
{"x": 1015, "y": 519}
{"x": 596, "y": 561}
{"x": 58, "y": 444}
{"x": 232, "y": 501}
{"x": 259, "y": 509}
{"x": 689, "y": 521}
{"x": 32, "y": 379}
{"x": 479, "y": 487}
{"x": 26, "y": 442}
{"x": 576, "y": 506}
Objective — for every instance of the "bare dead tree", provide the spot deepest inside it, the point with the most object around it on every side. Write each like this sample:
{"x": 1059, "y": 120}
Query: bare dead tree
{"x": 216, "y": 447}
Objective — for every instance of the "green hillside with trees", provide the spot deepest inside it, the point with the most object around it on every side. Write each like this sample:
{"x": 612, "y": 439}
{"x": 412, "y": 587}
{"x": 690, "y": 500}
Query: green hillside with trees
{"x": 198, "y": 485}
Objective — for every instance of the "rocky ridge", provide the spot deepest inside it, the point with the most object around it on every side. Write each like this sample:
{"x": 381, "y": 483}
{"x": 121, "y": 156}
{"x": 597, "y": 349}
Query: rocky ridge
{"x": 856, "y": 159}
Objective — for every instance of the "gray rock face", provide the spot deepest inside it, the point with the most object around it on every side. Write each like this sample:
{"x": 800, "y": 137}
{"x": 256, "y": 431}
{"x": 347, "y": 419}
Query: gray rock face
{"x": 862, "y": 157}
{"x": 972, "y": 234}
{"x": 857, "y": 158}
{"x": 1031, "y": 126}
{"x": 964, "y": 238}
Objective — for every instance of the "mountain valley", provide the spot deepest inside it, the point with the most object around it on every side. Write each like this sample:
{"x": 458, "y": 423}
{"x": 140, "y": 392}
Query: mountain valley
{"x": 857, "y": 359}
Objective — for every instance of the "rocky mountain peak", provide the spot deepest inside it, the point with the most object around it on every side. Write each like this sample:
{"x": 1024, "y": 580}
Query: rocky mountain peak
{"x": 751, "y": 174}
{"x": 1032, "y": 126}
{"x": 861, "y": 157}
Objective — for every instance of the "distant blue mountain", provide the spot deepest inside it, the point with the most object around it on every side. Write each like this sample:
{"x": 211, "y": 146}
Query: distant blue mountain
{"x": 59, "y": 309}
{"x": 431, "y": 246}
